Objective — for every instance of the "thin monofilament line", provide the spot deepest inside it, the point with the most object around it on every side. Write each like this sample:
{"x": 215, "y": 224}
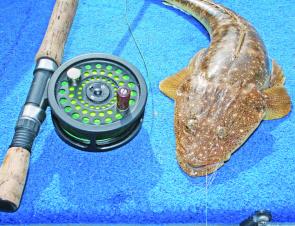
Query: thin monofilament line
{"x": 206, "y": 211}
{"x": 144, "y": 63}
{"x": 209, "y": 179}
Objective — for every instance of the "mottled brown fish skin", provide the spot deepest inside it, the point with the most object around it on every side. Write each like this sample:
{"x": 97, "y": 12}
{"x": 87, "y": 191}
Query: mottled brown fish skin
{"x": 236, "y": 52}
{"x": 221, "y": 102}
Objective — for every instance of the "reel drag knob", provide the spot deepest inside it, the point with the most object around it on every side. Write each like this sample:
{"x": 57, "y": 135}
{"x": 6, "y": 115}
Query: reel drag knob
{"x": 98, "y": 92}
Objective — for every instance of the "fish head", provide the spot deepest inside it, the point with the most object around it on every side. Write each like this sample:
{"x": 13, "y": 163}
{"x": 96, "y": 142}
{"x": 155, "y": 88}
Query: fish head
{"x": 212, "y": 120}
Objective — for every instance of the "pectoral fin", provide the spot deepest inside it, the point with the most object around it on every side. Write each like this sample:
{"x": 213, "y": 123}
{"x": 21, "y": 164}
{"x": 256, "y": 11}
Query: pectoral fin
{"x": 277, "y": 77}
{"x": 196, "y": 60}
{"x": 278, "y": 103}
{"x": 169, "y": 85}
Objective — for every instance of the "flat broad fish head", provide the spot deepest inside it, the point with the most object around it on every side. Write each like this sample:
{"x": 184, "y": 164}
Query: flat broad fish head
{"x": 212, "y": 120}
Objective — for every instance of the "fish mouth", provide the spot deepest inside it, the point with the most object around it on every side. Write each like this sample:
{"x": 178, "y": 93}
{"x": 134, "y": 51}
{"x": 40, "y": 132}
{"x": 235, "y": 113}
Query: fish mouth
{"x": 198, "y": 170}
{"x": 204, "y": 170}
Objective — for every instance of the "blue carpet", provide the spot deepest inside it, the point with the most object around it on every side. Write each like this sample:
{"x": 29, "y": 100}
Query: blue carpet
{"x": 141, "y": 182}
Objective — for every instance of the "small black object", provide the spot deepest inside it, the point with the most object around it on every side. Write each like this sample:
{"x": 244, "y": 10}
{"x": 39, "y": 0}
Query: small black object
{"x": 259, "y": 218}
{"x": 85, "y": 113}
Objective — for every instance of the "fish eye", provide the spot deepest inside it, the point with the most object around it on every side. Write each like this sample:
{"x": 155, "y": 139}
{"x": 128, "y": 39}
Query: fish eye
{"x": 221, "y": 132}
{"x": 191, "y": 126}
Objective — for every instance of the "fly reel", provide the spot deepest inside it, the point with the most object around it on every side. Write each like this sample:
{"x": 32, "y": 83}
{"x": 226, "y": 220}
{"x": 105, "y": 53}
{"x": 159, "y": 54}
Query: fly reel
{"x": 97, "y": 101}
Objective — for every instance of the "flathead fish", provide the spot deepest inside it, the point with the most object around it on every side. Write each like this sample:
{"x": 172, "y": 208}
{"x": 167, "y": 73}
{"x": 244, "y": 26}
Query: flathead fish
{"x": 225, "y": 92}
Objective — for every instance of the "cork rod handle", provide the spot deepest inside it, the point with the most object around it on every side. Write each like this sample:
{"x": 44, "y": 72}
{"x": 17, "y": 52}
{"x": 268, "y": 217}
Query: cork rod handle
{"x": 57, "y": 31}
{"x": 14, "y": 169}
{"x": 13, "y": 174}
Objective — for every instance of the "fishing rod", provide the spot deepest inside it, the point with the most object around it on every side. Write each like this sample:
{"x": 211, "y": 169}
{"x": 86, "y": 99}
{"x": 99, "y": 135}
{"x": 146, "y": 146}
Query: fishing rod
{"x": 14, "y": 169}
{"x": 97, "y": 103}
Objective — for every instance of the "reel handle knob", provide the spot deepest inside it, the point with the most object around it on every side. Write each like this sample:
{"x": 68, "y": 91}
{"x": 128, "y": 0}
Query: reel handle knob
{"x": 123, "y": 97}
{"x": 13, "y": 174}
{"x": 57, "y": 32}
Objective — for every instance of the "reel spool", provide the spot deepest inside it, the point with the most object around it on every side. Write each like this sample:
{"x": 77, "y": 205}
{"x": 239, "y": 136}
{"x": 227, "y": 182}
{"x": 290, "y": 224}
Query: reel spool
{"x": 97, "y": 101}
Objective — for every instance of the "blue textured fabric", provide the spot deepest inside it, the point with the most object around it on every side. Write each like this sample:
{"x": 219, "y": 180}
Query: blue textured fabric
{"x": 141, "y": 182}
